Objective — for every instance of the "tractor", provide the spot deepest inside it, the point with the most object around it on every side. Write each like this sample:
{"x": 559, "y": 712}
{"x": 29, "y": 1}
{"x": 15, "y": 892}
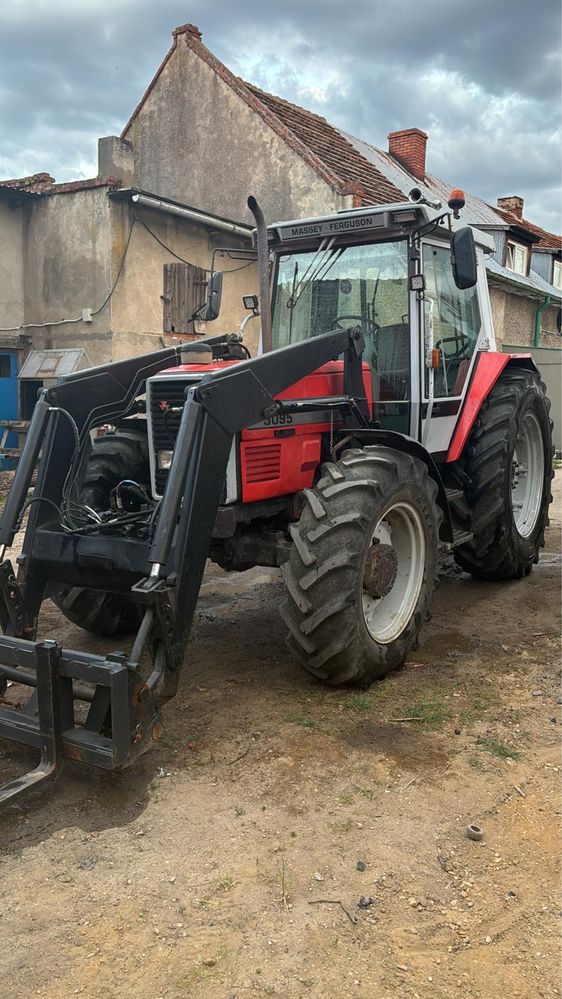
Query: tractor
{"x": 376, "y": 426}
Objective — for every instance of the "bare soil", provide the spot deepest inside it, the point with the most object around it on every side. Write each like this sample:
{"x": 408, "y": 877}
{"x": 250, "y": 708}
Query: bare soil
{"x": 225, "y": 863}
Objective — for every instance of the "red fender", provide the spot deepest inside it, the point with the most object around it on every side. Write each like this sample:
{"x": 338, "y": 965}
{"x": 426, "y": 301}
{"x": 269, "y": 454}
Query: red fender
{"x": 488, "y": 368}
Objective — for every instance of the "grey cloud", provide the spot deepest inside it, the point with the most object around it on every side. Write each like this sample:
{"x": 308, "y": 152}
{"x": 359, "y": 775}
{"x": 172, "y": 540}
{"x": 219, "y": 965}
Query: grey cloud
{"x": 71, "y": 73}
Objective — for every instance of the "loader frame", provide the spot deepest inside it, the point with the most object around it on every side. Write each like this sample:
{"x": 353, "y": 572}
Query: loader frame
{"x": 163, "y": 576}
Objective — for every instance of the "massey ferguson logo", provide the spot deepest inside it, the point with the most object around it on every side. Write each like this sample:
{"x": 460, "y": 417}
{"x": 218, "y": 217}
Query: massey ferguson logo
{"x": 164, "y": 405}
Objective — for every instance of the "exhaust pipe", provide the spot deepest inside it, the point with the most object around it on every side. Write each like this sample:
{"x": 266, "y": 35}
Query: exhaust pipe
{"x": 419, "y": 198}
{"x": 263, "y": 268}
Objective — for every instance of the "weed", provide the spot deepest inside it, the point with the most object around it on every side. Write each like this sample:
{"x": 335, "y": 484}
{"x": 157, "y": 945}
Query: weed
{"x": 476, "y": 762}
{"x": 302, "y": 720}
{"x": 205, "y": 902}
{"x": 224, "y": 881}
{"x": 239, "y": 811}
{"x": 498, "y": 748}
{"x": 345, "y": 799}
{"x": 431, "y": 714}
{"x": 366, "y": 792}
{"x": 357, "y": 703}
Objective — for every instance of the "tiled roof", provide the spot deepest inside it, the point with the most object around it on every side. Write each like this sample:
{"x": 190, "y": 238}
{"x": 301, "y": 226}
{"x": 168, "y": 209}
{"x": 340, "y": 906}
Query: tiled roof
{"x": 548, "y": 240}
{"x": 35, "y": 184}
{"x": 333, "y": 147}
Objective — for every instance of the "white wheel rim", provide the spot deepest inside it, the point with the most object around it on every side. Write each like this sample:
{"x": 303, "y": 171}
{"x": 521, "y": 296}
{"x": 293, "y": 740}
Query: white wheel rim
{"x": 527, "y": 476}
{"x": 386, "y": 617}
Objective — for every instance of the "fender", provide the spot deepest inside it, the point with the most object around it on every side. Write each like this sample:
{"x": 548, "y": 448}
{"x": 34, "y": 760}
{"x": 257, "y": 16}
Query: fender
{"x": 488, "y": 368}
{"x": 401, "y": 442}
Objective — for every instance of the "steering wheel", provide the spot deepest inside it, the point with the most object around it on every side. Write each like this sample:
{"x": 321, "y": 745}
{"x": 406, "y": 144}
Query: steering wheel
{"x": 340, "y": 319}
{"x": 461, "y": 351}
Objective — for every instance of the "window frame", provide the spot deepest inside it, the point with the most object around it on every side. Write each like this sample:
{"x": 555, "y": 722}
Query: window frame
{"x": 557, "y": 266}
{"x": 424, "y": 394}
{"x": 513, "y": 245}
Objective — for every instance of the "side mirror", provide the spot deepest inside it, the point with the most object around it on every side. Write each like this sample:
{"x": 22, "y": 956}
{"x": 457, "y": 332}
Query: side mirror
{"x": 214, "y": 295}
{"x": 463, "y": 257}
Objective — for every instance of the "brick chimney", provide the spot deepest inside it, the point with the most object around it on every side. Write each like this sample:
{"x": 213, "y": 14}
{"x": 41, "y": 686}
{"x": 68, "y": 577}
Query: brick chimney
{"x": 408, "y": 147}
{"x": 188, "y": 29}
{"x": 514, "y": 204}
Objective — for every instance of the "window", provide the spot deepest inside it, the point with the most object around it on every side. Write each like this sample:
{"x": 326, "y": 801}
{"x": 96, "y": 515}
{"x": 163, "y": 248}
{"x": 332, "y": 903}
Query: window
{"x": 557, "y": 274}
{"x": 184, "y": 292}
{"x": 364, "y": 285}
{"x": 516, "y": 258}
{"x": 456, "y": 322}
{"x": 5, "y": 368}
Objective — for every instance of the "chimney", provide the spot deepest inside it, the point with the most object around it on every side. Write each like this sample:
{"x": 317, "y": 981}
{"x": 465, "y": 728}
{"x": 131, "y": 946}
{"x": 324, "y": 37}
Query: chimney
{"x": 514, "y": 204}
{"x": 408, "y": 147}
{"x": 188, "y": 29}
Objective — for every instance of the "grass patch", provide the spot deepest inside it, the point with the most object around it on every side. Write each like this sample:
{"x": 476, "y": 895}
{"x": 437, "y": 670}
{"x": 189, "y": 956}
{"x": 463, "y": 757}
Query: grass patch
{"x": 498, "y": 748}
{"x": 476, "y": 762}
{"x": 357, "y": 703}
{"x": 431, "y": 715}
{"x": 296, "y": 718}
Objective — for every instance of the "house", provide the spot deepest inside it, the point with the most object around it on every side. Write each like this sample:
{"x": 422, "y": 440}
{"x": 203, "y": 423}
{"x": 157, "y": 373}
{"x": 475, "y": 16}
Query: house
{"x": 116, "y": 262}
{"x": 100, "y": 264}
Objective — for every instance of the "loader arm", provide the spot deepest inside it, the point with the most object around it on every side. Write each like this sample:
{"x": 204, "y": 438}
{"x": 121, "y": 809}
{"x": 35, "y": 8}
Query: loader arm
{"x": 164, "y": 576}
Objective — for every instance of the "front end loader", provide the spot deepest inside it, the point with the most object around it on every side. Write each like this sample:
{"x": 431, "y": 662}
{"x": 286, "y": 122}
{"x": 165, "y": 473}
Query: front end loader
{"x": 376, "y": 425}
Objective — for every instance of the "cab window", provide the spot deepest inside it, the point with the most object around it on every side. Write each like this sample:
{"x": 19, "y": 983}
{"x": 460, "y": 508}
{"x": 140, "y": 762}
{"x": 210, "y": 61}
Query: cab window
{"x": 456, "y": 322}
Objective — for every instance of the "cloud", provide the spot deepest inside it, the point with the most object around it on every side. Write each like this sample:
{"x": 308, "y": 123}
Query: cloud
{"x": 483, "y": 79}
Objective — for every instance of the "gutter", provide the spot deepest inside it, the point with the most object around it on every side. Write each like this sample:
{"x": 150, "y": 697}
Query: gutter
{"x": 538, "y": 316}
{"x": 189, "y": 213}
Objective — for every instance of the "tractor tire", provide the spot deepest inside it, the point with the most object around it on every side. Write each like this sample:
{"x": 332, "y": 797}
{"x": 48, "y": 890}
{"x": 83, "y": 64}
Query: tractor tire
{"x": 118, "y": 455}
{"x": 363, "y": 566}
{"x": 506, "y": 472}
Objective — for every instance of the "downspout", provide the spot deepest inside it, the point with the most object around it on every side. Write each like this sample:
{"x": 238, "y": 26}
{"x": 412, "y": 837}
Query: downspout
{"x": 538, "y": 316}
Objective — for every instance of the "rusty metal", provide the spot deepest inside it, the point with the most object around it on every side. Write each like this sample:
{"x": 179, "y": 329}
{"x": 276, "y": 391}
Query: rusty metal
{"x": 381, "y": 566}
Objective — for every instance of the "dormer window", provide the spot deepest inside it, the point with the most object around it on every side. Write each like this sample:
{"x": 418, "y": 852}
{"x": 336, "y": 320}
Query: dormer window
{"x": 516, "y": 258}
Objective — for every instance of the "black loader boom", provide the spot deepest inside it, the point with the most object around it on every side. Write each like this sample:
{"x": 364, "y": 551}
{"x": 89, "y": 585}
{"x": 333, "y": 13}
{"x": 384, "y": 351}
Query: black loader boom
{"x": 104, "y": 710}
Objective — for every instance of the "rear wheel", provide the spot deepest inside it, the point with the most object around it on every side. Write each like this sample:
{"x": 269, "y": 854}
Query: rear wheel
{"x": 117, "y": 456}
{"x": 506, "y": 470}
{"x": 362, "y": 570}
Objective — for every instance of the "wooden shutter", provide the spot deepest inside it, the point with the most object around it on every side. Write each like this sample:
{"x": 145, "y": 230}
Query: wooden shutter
{"x": 184, "y": 293}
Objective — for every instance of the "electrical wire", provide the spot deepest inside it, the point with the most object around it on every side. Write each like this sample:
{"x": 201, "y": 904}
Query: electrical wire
{"x": 79, "y": 319}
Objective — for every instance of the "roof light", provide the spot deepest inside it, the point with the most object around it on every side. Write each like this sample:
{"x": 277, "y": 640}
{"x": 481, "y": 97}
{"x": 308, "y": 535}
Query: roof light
{"x": 456, "y": 201}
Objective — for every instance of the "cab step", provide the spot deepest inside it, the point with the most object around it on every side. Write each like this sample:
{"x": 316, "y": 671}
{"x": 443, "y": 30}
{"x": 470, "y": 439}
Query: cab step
{"x": 454, "y": 494}
{"x": 461, "y": 538}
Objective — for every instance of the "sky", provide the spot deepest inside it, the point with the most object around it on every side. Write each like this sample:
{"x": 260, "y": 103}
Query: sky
{"x": 482, "y": 78}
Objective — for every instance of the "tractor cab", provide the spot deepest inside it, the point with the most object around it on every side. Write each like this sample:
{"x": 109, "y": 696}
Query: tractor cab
{"x": 412, "y": 279}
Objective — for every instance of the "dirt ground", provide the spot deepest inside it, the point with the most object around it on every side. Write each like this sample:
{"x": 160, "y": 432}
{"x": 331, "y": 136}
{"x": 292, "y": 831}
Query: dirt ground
{"x": 230, "y": 861}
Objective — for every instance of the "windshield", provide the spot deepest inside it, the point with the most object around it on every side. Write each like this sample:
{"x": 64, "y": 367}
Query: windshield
{"x": 364, "y": 285}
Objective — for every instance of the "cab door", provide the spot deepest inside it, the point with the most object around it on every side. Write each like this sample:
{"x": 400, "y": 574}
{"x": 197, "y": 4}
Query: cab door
{"x": 8, "y": 398}
{"x": 452, "y": 326}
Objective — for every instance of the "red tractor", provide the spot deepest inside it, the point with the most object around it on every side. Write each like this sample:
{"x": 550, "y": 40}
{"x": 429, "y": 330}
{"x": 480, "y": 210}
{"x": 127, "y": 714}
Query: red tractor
{"x": 376, "y": 424}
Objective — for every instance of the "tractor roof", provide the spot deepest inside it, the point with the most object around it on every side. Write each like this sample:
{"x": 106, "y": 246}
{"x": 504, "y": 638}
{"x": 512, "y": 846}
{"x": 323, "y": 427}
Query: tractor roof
{"x": 398, "y": 218}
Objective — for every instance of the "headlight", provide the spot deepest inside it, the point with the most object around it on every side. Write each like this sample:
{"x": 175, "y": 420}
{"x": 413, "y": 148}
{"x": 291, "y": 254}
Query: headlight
{"x": 164, "y": 459}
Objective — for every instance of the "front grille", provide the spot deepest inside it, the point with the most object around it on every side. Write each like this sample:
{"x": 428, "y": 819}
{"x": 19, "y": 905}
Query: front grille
{"x": 165, "y": 394}
{"x": 263, "y": 462}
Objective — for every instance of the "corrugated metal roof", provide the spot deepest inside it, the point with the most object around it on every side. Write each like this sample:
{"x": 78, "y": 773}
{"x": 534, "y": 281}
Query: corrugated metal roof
{"x": 475, "y": 212}
{"x": 52, "y": 364}
{"x": 533, "y": 282}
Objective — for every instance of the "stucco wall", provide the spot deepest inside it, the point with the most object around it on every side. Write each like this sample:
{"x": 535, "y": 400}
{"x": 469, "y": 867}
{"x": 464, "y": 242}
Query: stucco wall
{"x": 196, "y": 141}
{"x": 137, "y": 308}
{"x": 67, "y": 268}
{"x": 11, "y": 265}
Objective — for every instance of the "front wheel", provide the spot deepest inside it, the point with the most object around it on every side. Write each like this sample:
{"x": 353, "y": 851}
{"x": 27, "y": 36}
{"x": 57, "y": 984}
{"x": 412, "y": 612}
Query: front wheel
{"x": 362, "y": 570}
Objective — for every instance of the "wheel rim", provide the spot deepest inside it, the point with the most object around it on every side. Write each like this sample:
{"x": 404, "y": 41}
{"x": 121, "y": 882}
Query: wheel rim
{"x": 386, "y": 616}
{"x": 527, "y": 476}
